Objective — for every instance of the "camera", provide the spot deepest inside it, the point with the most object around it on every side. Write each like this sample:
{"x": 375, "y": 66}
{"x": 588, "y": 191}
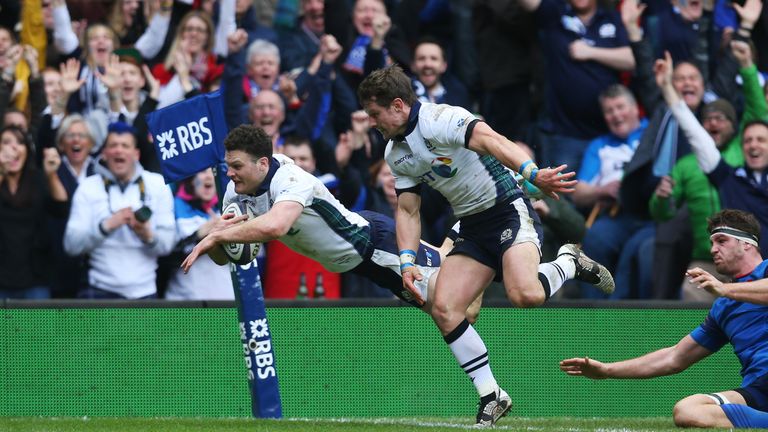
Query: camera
{"x": 143, "y": 214}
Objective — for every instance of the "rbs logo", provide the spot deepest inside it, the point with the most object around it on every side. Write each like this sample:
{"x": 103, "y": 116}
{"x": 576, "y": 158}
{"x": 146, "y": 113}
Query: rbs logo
{"x": 191, "y": 136}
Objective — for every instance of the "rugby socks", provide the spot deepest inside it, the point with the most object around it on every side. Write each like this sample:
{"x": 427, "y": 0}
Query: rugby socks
{"x": 553, "y": 274}
{"x": 469, "y": 350}
{"x": 743, "y": 416}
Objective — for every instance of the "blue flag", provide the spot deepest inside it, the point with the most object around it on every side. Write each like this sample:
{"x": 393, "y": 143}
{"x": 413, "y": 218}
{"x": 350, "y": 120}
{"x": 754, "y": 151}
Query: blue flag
{"x": 189, "y": 136}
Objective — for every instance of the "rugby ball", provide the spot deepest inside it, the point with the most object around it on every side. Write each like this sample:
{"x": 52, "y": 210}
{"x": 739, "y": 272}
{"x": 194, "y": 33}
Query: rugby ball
{"x": 240, "y": 253}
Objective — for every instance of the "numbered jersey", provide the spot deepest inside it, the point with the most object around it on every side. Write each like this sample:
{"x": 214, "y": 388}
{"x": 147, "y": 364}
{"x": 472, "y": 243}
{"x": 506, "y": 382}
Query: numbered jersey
{"x": 434, "y": 151}
{"x": 325, "y": 231}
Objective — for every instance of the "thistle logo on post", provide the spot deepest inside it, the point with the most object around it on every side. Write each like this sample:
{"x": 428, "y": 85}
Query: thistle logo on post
{"x": 191, "y": 136}
{"x": 442, "y": 167}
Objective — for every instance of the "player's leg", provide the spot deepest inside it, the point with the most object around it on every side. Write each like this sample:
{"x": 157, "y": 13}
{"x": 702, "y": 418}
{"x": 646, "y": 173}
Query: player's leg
{"x": 745, "y": 407}
{"x": 473, "y": 311}
{"x": 460, "y": 281}
{"x": 522, "y": 280}
{"x": 707, "y": 410}
{"x": 527, "y": 282}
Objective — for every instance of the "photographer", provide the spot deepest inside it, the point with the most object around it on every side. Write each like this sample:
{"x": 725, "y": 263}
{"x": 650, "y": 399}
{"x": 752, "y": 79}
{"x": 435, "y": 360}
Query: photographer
{"x": 122, "y": 217}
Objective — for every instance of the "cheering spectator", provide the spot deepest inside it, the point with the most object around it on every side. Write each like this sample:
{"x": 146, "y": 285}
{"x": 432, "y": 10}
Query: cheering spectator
{"x": 27, "y": 198}
{"x": 196, "y": 214}
{"x": 190, "y": 64}
{"x": 123, "y": 219}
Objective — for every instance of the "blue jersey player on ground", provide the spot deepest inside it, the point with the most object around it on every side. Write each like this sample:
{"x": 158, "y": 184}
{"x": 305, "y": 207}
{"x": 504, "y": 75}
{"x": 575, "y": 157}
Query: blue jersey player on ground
{"x": 735, "y": 318}
{"x": 471, "y": 165}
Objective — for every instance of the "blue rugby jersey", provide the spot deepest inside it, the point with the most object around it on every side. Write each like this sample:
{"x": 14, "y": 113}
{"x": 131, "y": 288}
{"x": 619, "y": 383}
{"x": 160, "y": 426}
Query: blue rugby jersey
{"x": 742, "y": 324}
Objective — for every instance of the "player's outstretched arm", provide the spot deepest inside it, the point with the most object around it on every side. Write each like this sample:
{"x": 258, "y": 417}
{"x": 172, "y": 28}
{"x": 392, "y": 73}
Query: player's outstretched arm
{"x": 751, "y": 292}
{"x": 551, "y": 181}
{"x": 584, "y": 366}
{"x": 666, "y": 361}
{"x": 269, "y": 226}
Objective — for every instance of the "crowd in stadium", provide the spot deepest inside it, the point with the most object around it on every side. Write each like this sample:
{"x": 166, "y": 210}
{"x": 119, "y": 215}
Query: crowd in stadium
{"x": 85, "y": 213}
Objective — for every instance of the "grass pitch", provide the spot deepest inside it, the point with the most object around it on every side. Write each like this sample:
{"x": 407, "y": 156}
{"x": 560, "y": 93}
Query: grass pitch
{"x": 564, "y": 424}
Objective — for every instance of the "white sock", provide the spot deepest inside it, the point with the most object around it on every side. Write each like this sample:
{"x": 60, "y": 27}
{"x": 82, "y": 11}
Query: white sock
{"x": 470, "y": 352}
{"x": 553, "y": 274}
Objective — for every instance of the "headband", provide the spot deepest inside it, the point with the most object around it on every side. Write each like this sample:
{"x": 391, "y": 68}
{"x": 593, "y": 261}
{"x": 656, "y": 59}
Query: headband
{"x": 735, "y": 233}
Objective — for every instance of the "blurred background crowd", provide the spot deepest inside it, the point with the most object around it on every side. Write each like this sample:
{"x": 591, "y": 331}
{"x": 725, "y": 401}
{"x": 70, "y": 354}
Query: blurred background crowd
{"x": 577, "y": 82}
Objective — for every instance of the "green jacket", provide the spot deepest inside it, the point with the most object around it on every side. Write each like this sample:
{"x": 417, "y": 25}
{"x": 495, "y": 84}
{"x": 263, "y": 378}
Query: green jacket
{"x": 692, "y": 185}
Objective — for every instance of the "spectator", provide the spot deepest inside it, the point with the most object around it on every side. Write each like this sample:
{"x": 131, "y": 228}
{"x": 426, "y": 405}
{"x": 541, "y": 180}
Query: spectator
{"x": 687, "y": 31}
{"x": 74, "y": 142}
{"x": 267, "y": 109}
{"x": 126, "y": 17}
{"x": 190, "y": 65}
{"x": 52, "y": 86}
{"x": 741, "y": 188}
{"x": 504, "y": 27}
{"x": 306, "y": 48}
{"x": 618, "y": 239}
{"x": 299, "y": 46}
{"x": 263, "y": 67}
{"x": 129, "y": 103}
{"x": 27, "y": 198}
{"x": 663, "y": 144}
{"x": 687, "y": 184}
{"x": 373, "y": 43}
{"x": 430, "y": 81}
{"x": 585, "y": 47}
{"x": 195, "y": 207}
{"x": 98, "y": 44}
{"x": 123, "y": 219}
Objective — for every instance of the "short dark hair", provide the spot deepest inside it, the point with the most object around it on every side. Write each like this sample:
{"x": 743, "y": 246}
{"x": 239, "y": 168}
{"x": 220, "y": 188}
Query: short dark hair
{"x": 614, "y": 91}
{"x": 741, "y": 220}
{"x": 383, "y": 86}
{"x": 249, "y": 139}
{"x": 121, "y": 128}
{"x": 754, "y": 122}
{"x": 430, "y": 40}
{"x": 296, "y": 141}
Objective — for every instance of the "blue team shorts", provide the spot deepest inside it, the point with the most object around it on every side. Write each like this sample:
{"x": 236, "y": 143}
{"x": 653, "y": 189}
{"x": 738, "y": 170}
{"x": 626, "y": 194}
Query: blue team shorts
{"x": 485, "y": 236}
{"x": 756, "y": 394}
{"x": 382, "y": 263}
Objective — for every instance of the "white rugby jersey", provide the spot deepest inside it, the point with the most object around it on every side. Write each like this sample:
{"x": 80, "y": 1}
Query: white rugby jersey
{"x": 434, "y": 151}
{"x": 325, "y": 231}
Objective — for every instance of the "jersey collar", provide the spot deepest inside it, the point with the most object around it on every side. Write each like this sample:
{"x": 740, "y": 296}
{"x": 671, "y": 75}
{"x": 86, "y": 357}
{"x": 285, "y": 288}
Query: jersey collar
{"x": 413, "y": 120}
{"x": 264, "y": 186}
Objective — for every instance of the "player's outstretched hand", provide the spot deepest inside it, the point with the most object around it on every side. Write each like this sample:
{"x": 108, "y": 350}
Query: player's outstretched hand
{"x": 706, "y": 281}
{"x": 553, "y": 181}
{"x": 200, "y": 248}
{"x": 226, "y": 221}
{"x": 410, "y": 275}
{"x": 584, "y": 366}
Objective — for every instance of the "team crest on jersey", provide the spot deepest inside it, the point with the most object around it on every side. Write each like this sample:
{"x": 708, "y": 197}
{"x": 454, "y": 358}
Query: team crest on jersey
{"x": 442, "y": 167}
{"x": 429, "y": 145}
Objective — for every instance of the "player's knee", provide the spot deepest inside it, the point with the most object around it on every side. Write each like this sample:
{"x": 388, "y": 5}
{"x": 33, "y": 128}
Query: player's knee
{"x": 442, "y": 315}
{"x": 525, "y": 298}
{"x": 472, "y": 316}
{"x": 685, "y": 414}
